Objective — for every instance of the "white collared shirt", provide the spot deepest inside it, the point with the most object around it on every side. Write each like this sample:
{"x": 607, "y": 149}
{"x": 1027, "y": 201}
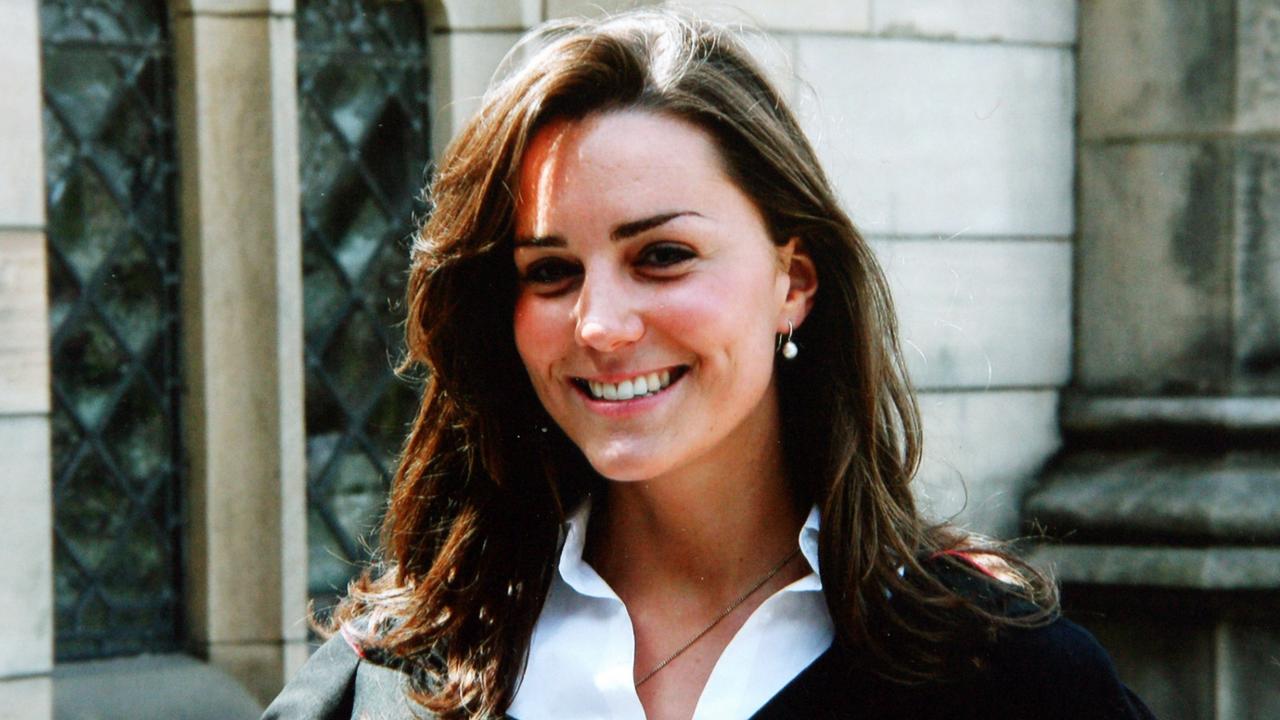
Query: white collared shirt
{"x": 582, "y": 654}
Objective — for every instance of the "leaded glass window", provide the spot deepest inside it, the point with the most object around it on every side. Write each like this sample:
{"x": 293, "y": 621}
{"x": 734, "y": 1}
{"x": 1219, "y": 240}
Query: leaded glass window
{"x": 363, "y": 108}
{"x": 110, "y": 175}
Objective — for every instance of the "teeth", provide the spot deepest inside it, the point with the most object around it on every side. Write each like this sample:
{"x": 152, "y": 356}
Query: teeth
{"x": 635, "y": 387}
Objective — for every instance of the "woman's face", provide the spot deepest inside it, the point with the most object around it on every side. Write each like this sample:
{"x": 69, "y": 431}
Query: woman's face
{"x": 649, "y": 295}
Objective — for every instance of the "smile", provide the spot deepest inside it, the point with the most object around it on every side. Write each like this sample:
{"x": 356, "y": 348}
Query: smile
{"x": 643, "y": 385}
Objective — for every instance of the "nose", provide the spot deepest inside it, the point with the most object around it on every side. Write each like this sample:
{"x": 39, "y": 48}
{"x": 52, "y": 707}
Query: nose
{"x": 607, "y": 314}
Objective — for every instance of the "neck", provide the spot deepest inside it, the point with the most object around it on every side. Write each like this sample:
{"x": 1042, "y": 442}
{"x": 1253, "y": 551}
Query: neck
{"x": 708, "y": 530}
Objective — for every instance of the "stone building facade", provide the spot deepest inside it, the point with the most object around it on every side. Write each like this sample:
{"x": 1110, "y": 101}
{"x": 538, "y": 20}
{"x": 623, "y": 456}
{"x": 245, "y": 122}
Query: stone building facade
{"x": 1166, "y": 496}
{"x": 1075, "y": 203}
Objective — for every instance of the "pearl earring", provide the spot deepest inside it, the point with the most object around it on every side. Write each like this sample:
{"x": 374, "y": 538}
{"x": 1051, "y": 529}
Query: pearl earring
{"x": 789, "y": 349}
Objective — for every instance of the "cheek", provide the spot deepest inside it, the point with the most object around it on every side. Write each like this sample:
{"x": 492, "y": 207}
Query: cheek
{"x": 535, "y": 330}
{"x": 722, "y": 315}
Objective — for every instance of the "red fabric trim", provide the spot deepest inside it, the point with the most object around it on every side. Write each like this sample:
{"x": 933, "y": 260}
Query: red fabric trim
{"x": 355, "y": 646}
{"x": 970, "y": 561}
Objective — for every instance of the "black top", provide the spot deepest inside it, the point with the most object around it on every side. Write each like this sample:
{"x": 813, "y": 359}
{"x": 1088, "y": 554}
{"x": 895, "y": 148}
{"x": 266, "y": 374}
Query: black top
{"x": 1055, "y": 671}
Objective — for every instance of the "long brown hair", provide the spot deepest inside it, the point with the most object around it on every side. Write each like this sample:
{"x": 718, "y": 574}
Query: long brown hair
{"x": 486, "y": 478}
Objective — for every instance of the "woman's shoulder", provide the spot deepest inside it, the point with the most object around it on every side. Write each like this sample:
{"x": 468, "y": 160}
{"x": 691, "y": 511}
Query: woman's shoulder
{"x": 1058, "y": 670}
{"x": 323, "y": 689}
{"x": 1053, "y": 671}
{"x": 1048, "y": 667}
{"x": 339, "y": 682}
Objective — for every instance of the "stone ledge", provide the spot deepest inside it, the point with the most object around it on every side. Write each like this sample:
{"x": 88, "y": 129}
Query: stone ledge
{"x": 247, "y": 8}
{"x": 149, "y": 687}
{"x": 1211, "y": 568}
{"x": 1096, "y": 415}
{"x": 1161, "y": 497}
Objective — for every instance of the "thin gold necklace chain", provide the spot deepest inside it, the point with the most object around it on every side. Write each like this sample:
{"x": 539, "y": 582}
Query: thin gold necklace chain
{"x": 723, "y": 614}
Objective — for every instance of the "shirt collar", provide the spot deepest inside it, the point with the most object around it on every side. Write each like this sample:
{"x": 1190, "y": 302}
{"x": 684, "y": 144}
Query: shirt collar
{"x": 809, "y": 548}
{"x": 575, "y": 571}
{"x": 582, "y": 578}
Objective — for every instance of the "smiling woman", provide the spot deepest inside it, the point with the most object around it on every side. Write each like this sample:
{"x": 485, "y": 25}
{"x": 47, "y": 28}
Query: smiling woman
{"x": 620, "y": 498}
{"x": 638, "y": 257}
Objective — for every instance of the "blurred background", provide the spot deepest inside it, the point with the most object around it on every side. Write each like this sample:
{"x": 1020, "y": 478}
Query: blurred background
{"x": 205, "y": 208}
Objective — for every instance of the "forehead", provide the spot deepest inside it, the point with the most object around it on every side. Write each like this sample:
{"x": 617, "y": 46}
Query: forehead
{"x": 630, "y": 151}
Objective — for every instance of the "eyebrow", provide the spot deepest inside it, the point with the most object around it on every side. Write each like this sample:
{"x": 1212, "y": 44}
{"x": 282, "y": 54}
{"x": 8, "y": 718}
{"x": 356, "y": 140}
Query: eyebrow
{"x": 621, "y": 232}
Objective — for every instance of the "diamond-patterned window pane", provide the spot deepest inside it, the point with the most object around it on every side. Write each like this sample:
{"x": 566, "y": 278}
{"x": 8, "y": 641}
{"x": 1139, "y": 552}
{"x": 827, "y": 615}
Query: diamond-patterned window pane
{"x": 110, "y": 175}
{"x": 363, "y": 109}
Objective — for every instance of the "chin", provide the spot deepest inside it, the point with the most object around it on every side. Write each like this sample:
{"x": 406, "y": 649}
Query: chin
{"x": 629, "y": 465}
{"x": 616, "y": 471}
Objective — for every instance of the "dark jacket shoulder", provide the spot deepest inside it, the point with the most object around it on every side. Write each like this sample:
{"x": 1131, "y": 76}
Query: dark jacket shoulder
{"x": 1049, "y": 671}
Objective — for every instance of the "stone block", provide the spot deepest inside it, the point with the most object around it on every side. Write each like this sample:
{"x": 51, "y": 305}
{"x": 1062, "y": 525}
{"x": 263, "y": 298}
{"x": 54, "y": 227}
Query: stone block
{"x": 1155, "y": 496}
{"x": 24, "y": 323}
{"x": 1249, "y": 671}
{"x": 1180, "y": 267}
{"x": 1258, "y": 56}
{"x": 1098, "y": 416}
{"x": 1156, "y": 66}
{"x": 848, "y": 16}
{"x": 26, "y": 547}
{"x": 22, "y": 152}
{"x": 464, "y": 62}
{"x": 560, "y": 9}
{"x": 982, "y": 451}
{"x": 1257, "y": 267}
{"x": 491, "y": 15}
{"x": 1169, "y": 664}
{"x": 795, "y": 15}
{"x": 1172, "y": 568}
{"x": 980, "y": 314}
{"x": 1154, "y": 287}
{"x": 1042, "y": 21}
{"x": 929, "y": 138}
{"x": 26, "y": 698}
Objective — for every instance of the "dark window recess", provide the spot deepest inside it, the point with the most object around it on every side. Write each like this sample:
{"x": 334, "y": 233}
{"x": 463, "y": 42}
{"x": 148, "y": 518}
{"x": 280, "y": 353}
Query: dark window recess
{"x": 363, "y": 110}
{"x": 113, "y": 282}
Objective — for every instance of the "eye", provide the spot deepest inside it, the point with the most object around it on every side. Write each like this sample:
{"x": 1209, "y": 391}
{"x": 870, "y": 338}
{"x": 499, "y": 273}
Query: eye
{"x": 664, "y": 255}
{"x": 549, "y": 272}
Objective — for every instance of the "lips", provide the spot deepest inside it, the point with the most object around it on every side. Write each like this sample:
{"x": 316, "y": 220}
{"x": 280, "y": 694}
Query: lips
{"x": 636, "y": 386}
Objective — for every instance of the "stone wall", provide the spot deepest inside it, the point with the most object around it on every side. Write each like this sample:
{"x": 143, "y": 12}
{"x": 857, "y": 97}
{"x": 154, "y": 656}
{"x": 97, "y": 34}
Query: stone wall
{"x": 1180, "y": 231}
{"x": 26, "y": 536}
{"x": 1166, "y": 497}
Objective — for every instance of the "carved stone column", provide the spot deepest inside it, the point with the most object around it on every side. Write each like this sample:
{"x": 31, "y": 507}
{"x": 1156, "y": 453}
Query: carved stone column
{"x": 1167, "y": 495}
{"x": 242, "y": 305}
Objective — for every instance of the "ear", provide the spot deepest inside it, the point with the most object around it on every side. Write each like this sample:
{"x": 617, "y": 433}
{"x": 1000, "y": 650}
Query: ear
{"x": 802, "y": 277}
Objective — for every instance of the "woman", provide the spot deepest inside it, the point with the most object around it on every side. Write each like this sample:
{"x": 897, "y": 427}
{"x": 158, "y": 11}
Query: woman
{"x": 662, "y": 461}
